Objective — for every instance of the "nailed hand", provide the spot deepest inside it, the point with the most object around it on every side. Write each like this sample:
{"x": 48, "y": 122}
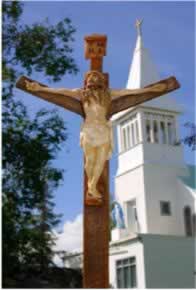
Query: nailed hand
{"x": 32, "y": 86}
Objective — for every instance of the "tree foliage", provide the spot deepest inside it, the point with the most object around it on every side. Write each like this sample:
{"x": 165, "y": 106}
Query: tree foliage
{"x": 41, "y": 47}
{"x": 30, "y": 145}
{"x": 190, "y": 139}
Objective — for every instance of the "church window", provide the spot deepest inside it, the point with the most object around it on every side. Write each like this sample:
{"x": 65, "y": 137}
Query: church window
{"x": 128, "y": 137}
{"x": 170, "y": 133}
{"x": 137, "y": 132}
{"x": 133, "y": 134}
{"x": 165, "y": 207}
{"x": 131, "y": 215}
{"x": 126, "y": 273}
{"x": 160, "y": 128}
{"x": 123, "y": 139}
{"x": 188, "y": 221}
{"x": 129, "y": 133}
{"x": 148, "y": 131}
{"x": 194, "y": 224}
{"x": 155, "y": 131}
{"x": 135, "y": 214}
{"x": 162, "y": 133}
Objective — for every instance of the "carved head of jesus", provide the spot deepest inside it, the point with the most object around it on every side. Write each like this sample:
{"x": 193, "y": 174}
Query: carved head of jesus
{"x": 96, "y": 91}
{"x": 95, "y": 80}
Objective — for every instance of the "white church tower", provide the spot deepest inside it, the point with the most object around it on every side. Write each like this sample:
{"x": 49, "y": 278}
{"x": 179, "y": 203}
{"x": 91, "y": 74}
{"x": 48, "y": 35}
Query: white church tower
{"x": 149, "y": 189}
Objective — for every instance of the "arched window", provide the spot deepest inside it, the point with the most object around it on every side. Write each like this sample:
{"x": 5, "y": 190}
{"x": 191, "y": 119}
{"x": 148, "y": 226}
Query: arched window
{"x": 188, "y": 221}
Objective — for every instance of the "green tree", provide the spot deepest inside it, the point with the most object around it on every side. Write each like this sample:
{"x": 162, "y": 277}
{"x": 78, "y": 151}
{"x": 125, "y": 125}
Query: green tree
{"x": 30, "y": 145}
{"x": 190, "y": 139}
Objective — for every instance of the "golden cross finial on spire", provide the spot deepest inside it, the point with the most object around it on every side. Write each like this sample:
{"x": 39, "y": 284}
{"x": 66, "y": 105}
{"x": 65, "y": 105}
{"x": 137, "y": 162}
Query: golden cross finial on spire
{"x": 138, "y": 25}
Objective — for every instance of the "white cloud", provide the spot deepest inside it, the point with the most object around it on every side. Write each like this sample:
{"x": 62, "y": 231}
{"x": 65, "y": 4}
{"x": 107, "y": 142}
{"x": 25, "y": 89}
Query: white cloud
{"x": 70, "y": 239}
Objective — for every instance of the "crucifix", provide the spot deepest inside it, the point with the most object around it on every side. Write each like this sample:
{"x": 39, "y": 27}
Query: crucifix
{"x": 95, "y": 102}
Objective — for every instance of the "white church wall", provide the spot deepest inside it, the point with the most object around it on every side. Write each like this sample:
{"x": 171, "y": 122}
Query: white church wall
{"x": 130, "y": 159}
{"x": 130, "y": 186}
{"x": 161, "y": 184}
{"x": 169, "y": 261}
{"x": 131, "y": 248}
{"x": 117, "y": 234}
{"x": 163, "y": 154}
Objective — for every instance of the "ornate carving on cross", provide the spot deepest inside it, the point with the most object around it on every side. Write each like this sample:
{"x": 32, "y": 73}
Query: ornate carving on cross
{"x": 96, "y": 103}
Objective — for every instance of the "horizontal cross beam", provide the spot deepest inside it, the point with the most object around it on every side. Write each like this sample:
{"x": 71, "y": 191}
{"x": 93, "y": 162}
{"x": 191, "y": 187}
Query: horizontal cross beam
{"x": 121, "y": 99}
{"x": 125, "y": 99}
{"x": 70, "y": 103}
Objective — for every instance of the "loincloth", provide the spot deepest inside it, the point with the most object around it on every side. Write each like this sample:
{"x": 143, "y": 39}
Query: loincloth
{"x": 96, "y": 134}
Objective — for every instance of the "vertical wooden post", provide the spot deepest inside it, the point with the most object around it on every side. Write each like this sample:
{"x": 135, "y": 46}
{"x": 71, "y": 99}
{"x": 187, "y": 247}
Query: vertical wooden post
{"x": 96, "y": 217}
{"x": 96, "y": 237}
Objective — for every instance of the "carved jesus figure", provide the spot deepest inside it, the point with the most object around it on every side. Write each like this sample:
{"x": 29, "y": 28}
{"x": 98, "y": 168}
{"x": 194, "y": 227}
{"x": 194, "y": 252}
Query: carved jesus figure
{"x": 96, "y": 132}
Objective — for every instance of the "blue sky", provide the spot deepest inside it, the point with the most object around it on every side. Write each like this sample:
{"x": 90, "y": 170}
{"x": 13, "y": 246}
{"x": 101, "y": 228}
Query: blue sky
{"x": 168, "y": 33}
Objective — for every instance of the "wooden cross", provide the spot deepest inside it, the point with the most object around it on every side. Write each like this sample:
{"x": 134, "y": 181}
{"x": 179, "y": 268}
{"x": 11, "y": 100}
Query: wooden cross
{"x": 96, "y": 215}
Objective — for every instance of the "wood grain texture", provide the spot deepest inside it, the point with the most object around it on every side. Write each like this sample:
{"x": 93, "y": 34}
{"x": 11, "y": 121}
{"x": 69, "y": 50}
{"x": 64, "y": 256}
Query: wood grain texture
{"x": 96, "y": 64}
{"x": 67, "y": 102}
{"x": 96, "y": 214}
{"x": 96, "y": 236}
{"x": 95, "y": 46}
{"x": 129, "y": 98}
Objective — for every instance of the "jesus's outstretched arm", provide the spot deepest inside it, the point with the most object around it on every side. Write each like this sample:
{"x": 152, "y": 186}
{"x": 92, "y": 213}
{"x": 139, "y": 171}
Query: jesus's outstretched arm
{"x": 36, "y": 87}
{"x": 125, "y": 98}
{"x": 66, "y": 98}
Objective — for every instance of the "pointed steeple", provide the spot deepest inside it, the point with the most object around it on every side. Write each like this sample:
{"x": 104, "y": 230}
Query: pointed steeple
{"x": 142, "y": 71}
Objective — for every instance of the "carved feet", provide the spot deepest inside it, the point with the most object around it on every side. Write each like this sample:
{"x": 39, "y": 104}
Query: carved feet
{"x": 93, "y": 196}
